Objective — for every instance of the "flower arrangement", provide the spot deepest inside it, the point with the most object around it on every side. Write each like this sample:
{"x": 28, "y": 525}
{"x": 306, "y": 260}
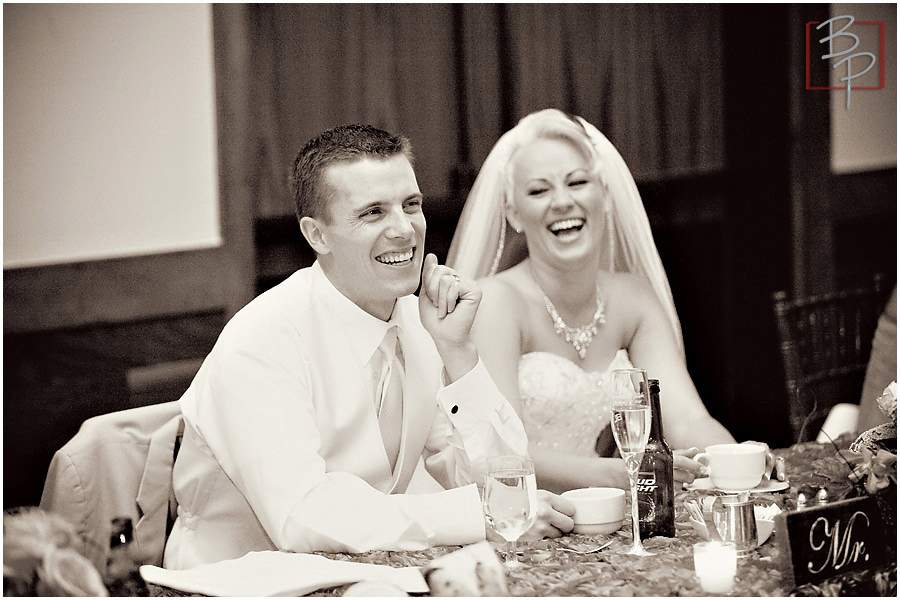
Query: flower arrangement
{"x": 878, "y": 447}
{"x": 40, "y": 559}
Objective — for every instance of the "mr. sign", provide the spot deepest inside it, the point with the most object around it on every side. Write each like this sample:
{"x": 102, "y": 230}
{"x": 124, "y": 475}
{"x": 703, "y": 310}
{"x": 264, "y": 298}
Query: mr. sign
{"x": 840, "y": 537}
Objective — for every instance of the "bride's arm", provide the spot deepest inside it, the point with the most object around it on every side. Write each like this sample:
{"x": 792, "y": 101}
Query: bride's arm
{"x": 557, "y": 472}
{"x": 499, "y": 333}
{"x": 498, "y": 337}
{"x": 652, "y": 347}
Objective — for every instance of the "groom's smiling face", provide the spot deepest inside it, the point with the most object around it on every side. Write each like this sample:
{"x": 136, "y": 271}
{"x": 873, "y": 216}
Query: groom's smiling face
{"x": 374, "y": 238}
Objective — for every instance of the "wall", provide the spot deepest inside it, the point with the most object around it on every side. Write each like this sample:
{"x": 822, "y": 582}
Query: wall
{"x": 864, "y": 136}
{"x": 112, "y": 108}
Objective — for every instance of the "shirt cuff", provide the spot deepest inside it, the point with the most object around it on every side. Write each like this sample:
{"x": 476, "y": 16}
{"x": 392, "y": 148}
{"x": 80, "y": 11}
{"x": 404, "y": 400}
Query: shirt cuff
{"x": 461, "y": 517}
{"x": 469, "y": 400}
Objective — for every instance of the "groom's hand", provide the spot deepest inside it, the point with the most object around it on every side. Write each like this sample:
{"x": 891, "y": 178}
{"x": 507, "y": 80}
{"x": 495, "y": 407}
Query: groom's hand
{"x": 447, "y": 307}
{"x": 447, "y": 303}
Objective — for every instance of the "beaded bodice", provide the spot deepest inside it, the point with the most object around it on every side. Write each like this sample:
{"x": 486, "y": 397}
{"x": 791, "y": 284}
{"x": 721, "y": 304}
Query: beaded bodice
{"x": 565, "y": 406}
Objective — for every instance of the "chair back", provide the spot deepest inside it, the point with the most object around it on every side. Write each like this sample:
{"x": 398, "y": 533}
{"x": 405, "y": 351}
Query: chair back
{"x": 118, "y": 465}
{"x": 825, "y": 343}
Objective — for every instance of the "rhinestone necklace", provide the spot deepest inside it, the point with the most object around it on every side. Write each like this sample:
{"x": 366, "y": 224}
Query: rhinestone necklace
{"x": 579, "y": 337}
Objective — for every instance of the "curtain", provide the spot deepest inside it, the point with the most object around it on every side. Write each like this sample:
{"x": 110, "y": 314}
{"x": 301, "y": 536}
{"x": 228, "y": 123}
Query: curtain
{"x": 318, "y": 66}
{"x": 455, "y": 77}
{"x": 649, "y": 76}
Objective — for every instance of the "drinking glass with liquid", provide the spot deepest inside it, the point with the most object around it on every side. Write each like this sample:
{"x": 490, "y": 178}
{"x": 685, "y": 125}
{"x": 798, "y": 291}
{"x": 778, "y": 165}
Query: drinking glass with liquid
{"x": 510, "y": 500}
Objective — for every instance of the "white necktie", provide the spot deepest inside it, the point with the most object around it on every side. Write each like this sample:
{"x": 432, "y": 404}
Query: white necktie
{"x": 389, "y": 399}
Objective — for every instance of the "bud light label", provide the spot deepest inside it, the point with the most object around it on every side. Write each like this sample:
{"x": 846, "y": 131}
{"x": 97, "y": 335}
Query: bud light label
{"x": 646, "y": 482}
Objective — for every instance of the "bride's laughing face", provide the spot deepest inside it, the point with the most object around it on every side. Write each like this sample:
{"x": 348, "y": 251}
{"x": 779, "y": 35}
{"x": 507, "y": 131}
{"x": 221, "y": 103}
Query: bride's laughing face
{"x": 557, "y": 202}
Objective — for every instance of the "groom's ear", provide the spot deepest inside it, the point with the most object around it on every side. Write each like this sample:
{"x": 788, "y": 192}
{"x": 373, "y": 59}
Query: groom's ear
{"x": 315, "y": 233}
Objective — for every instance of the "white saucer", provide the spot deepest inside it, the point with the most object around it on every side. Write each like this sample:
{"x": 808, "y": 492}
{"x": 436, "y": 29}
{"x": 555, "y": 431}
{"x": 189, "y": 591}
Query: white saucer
{"x": 767, "y": 485}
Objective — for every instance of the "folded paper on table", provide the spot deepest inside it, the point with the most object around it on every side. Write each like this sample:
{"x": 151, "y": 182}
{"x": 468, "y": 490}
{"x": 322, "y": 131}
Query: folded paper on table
{"x": 471, "y": 571}
{"x": 272, "y": 573}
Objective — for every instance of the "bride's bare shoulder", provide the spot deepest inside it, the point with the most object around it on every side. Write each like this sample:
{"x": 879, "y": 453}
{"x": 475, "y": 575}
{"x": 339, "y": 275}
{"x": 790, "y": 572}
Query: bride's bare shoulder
{"x": 508, "y": 288}
{"x": 626, "y": 284}
{"x": 629, "y": 293}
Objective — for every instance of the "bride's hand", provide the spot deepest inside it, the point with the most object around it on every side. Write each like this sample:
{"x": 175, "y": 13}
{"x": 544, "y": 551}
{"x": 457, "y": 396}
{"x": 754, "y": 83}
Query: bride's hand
{"x": 554, "y": 517}
{"x": 686, "y": 469}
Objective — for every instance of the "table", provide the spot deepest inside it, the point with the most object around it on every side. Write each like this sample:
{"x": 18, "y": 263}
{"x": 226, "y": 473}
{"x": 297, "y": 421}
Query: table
{"x": 554, "y": 572}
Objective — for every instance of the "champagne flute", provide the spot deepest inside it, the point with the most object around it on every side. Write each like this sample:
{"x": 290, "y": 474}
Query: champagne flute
{"x": 631, "y": 428}
{"x": 510, "y": 500}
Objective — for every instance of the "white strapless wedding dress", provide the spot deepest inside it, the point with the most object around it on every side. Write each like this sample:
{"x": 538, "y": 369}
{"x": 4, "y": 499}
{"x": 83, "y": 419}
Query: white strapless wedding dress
{"x": 565, "y": 406}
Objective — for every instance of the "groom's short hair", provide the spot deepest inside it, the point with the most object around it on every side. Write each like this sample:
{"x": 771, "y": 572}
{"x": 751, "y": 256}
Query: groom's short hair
{"x": 345, "y": 143}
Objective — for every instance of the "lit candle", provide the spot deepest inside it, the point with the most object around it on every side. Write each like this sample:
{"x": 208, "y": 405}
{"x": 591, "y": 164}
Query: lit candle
{"x": 715, "y": 564}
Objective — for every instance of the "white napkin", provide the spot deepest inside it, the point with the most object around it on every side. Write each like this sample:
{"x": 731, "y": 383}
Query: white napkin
{"x": 273, "y": 573}
{"x": 766, "y": 513}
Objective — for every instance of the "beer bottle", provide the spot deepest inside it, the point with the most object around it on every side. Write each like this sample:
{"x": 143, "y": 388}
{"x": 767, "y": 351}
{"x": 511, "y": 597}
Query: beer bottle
{"x": 655, "y": 490}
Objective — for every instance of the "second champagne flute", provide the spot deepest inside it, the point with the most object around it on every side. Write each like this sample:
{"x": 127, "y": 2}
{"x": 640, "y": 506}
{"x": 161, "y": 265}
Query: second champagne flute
{"x": 631, "y": 428}
{"x": 510, "y": 500}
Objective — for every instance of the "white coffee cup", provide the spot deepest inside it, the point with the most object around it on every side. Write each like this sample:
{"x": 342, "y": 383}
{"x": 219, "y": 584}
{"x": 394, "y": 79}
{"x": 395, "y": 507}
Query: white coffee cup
{"x": 598, "y": 509}
{"x": 734, "y": 466}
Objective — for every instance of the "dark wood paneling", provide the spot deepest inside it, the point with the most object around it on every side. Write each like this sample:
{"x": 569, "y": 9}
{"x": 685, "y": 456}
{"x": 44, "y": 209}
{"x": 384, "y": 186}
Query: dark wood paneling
{"x": 687, "y": 216}
{"x": 757, "y": 223}
{"x": 864, "y": 227}
{"x": 865, "y": 246}
{"x": 864, "y": 195}
{"x": 812, "y": 247}
{"x": 76, "y": 294}
{"x": 54, "y": 380}
{"x": 280, "y": 250}
{"x": 234, "y": 102}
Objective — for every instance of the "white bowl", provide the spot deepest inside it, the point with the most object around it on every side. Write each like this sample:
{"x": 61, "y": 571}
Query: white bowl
{"x": 604, "y": 528}
{"x": 764, "y": 528}
{"x": 597, "y": 510}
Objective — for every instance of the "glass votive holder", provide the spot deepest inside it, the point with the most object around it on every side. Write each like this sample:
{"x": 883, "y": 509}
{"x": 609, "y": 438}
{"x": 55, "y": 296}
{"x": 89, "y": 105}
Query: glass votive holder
{"x": 715, "y": 564}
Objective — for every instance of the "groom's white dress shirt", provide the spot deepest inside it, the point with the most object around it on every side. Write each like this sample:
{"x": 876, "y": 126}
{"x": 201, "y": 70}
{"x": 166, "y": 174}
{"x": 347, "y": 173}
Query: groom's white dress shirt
{"x": 282, "y": 446}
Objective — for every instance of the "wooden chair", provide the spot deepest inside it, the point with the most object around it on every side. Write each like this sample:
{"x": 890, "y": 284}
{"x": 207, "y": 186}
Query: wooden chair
{"x": 826, "y": 341}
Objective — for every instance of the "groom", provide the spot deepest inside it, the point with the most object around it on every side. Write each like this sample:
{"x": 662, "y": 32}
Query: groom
{"x": 307, "y": 419}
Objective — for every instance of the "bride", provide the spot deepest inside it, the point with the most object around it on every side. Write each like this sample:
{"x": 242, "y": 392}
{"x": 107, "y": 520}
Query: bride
{"x": 590, "y": 296}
